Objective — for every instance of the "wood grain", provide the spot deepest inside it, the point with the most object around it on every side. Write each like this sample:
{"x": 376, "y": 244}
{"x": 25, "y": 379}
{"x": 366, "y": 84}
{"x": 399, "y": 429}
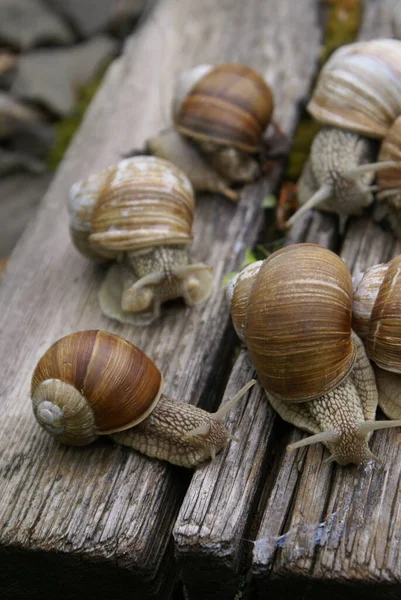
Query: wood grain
{"x": 210, "y": 531}
{"x": 94, "y": 517}
{"x": 330, "y": 530}
{"x": 103, "y": 520}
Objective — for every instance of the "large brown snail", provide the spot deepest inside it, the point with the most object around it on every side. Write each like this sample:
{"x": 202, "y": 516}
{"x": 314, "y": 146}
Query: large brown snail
{"x": 358, "y": 99}
{"x": 377, "y": 320}
{"x": 293, "y": 311}
{"x": 139, "y": 213}
{"x": 220, "y": 114}
{"x": 93, "y": 383}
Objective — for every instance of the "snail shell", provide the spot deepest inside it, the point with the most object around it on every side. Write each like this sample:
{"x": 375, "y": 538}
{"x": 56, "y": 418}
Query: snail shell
{"x": 390, "y": 179}
{"x": 92, "y": 383}
{"x": 359, "y": 88}
{"x": 139, "y": 203}
{"x": 297, "y": 321}
{"x": 358, "y": 93}
{"x": 377, "y": 314}
{"x": 229, "y": 104}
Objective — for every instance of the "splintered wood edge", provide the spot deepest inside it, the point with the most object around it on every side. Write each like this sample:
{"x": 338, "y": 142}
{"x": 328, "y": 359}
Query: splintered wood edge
{"x": 209, "y": 531}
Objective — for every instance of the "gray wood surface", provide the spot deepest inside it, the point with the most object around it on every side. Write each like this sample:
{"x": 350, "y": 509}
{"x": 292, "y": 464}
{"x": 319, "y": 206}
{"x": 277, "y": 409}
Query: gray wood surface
{"x": 326, "y": 529}
{"x": 99, "y": 519}
{"x": 303, "y": 529}
{"x": 105, "y": 521}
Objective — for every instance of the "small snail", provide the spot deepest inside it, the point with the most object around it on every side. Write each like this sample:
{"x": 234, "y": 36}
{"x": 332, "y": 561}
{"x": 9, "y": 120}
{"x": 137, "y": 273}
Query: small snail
{"x": 377, "y": 320}
{"x": 140, "y": 213}
{"x": 93, "y": 383}
{"x": 293, "y": 312}
{"x": 358, "y": 98}
{"x": 220, "y": 114}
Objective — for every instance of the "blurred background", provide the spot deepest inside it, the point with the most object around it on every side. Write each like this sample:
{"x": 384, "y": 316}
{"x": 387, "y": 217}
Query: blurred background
{"x": 53, "y": 56}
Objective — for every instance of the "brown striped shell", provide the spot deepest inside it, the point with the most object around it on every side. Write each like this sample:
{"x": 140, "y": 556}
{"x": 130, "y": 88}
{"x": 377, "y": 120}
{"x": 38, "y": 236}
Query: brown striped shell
{"x": 391, "y": 150}
{"x": 238, "y": 291}
{"x": 113, "y": 385}
{"x": 141, "y": 202}
{"x": 359, "y": 88}
{"x": 377, "y": 314}
{"x": 229, "y": 105}
{"x": 298, "y": 321}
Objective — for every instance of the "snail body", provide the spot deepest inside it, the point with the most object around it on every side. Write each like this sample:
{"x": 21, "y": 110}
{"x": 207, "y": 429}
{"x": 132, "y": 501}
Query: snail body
{"x": 293, "y": 312}
{"x": 93, "y": 383}
{"x": 377, "y": 320}
{"x": 358, "y": 100}
{"x": 139, "y": 213}
{"x": 220, "y": 114}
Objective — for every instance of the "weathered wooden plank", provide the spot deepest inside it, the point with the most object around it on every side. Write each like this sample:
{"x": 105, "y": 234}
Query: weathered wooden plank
{"x": 214, "y": 529}
{"x": 337, "y": 529}
{"x": 338, "y": 525}
{"x": 209, "y": 532}
{"x": 104, "y": 508}
{"x": 218, "y": 508}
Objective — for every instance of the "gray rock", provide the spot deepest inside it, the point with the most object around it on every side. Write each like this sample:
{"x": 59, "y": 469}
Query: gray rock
{"x": 28, "y": 23}
{"x": 93, "y": 16}
{"x": 20, "y": 195}
{"x": 53, "y": 77}
{"x": 25, "y": 129}
{"x": 13, "y": 114}
{"x": 8, "y": 62}
{"x": 35, "y": 139}
{"x": 11, "y": 162}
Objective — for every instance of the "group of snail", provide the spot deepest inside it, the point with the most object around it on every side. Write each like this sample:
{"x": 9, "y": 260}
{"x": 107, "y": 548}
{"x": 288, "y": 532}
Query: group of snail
{"x": 310, "y": 332}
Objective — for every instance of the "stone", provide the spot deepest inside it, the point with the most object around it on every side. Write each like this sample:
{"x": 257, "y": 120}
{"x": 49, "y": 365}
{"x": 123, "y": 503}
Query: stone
{"x": 8, "y": 62}
{"x": 20, "y": 195}
{"x": 53, "y": 78}
{"x": 28, "y": 23}
{"x": 24, "y": 128}
{"x": 94, "y": 16}
{"x": 12, "y": 162}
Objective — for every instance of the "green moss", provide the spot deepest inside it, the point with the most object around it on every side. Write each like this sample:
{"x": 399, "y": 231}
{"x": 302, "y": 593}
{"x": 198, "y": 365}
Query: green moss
{"x": 342, "y": 25}
{"x": 306, "y": 131}
{"x": 66, "y": 128}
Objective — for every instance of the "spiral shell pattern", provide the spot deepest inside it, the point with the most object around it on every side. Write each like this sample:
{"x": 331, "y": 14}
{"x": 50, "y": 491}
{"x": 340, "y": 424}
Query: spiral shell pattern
{"x": 298, "y": 322}
{"x": 230, "y": 105}
{"x": 118, "y": 381}
{"x": 141, "y": 202}
{"x": 359, "y": 88}
{"x": 377, "y": 314}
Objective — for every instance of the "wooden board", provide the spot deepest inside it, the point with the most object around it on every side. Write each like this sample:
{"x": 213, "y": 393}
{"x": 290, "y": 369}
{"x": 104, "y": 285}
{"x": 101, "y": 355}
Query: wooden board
{"x": 99, "y": 519}
{"x": 337, "y": 529}
{"x": 105, "y": 521}
{"x": 303, "y": 529}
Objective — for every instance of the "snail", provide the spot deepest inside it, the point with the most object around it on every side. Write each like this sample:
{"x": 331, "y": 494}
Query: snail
{"x": 93, "y": 383}
{"x": 139, "y": 213}
{"x": 358, "y": 99}
{"x": 293, "y": 312}
{"x": 377, "y": 320}
{"x": 220, "y": 114}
